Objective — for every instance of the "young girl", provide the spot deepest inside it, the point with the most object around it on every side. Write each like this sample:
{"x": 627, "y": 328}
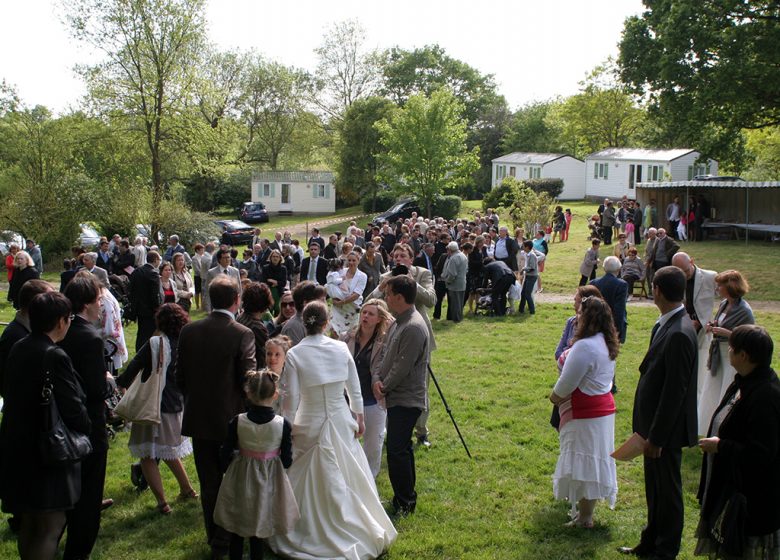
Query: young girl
{"x": 255, "y": 498}
{"x": 275, "y": 352}
{"x": 630, "y": 228}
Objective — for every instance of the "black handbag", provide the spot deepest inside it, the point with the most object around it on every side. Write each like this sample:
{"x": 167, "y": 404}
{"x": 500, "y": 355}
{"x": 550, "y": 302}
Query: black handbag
{"x": 728, "y": 526}
{"x": 57, "y": 444}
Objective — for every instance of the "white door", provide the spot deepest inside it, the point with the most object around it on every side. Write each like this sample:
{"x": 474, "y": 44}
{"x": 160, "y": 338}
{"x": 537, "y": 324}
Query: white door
{"x": 285, "y": 202}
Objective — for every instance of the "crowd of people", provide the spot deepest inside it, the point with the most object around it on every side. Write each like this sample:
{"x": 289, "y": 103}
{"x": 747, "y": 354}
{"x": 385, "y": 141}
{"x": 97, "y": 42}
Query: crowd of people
{"x": 287, "y": 451}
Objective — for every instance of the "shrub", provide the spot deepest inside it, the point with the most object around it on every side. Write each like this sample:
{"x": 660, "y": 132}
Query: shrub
{"x": 553, "y": 187}
{"x": 447, "y": 207}
{"x": 384, "y": 200}
{"x": 501, "y": 196}
{"x": 191, "y": 227}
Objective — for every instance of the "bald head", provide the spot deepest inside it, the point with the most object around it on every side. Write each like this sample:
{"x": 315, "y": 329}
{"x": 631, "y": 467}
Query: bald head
{"x": 684, "y": 262}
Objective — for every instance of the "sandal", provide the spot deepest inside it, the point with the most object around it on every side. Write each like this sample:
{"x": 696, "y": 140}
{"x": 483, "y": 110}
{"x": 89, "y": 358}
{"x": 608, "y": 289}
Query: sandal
{"x": 581, "y": 524}
{"x": 190, "y": 495}
{"x": 164, "y": 508}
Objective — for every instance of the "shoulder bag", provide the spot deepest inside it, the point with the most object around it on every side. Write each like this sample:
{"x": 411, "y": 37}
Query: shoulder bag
{"x": 142, "y": 401}
{"x": 58, "y": 444}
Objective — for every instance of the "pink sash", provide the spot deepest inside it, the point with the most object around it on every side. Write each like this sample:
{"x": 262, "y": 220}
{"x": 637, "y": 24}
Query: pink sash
{"x": 261, "y": 455}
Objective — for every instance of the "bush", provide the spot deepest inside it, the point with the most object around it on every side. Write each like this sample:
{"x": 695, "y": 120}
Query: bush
{"x": 447, "y": 207}
{"x": 384, "y": 200}
{"x": 501, "y": 196}
{"x": 191, "y": 227}
{"x": 553, "y": 187}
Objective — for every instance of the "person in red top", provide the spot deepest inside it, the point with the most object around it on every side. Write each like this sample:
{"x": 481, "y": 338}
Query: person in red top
{"x": 13, "y": 248}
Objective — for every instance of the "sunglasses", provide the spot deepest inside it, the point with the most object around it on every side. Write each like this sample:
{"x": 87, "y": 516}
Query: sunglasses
{"x": 288, "y": 304}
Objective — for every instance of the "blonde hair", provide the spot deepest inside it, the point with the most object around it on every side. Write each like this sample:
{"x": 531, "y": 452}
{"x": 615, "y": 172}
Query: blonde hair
{"x": 282, "y": 341}
{"x": 260, "y": 385}
{"x": 28, "y": 259}
{"x": 385, "y": 318}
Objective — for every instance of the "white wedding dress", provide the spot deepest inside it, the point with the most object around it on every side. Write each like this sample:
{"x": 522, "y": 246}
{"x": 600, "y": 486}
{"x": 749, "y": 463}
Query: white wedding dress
{"x": 341, "y": 515}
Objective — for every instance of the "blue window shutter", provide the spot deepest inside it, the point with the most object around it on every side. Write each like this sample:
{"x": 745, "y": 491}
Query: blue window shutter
{"x": 327, "y": 191}
{"x": 595, "y": 170}
{"x": 606, "y": 171}
{"x": 314, "y": 191}
{"x": 273, "y": 190}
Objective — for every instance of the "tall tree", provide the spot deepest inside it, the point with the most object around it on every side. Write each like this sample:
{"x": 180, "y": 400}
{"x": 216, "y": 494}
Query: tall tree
{"x": 426, "y": 147}
{"x": 346, "y": 71}
{"x": 359, "y": 147}
{"x": 151, "y": 49}
{"x": 603, "y": 115}
{"x": 430, "y": 68}
{"x": 708, "y": 67}
{"x": 530, "y": 130}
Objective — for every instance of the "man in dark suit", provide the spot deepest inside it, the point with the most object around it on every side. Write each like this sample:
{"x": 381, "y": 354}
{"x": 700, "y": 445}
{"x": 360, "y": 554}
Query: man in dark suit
{"x": 145, "y": 297}
{"x": 614, "y": 290}
{"x": 315, "y": 238}
{"x": 425, "y": 258}
{"x": 665, "y": 415}
{"x": 331, "y": 250}
{"x": 506, "y": 249}
{"x": 314, "y": 267}
{"x": 84, "y": 346}
{"x": 213, "y": 357}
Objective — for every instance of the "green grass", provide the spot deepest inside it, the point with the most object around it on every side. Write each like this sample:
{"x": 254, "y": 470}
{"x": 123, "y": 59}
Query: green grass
{"x": 496, "y": 374}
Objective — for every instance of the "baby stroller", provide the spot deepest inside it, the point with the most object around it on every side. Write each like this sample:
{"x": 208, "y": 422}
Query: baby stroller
{"x": 484, "y": 302}
{"x": 114, "y": 423}
{"x": 119, "y": 286}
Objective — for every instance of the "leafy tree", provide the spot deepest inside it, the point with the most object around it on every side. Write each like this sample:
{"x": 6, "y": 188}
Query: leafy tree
{"x": 764, "y": 147}
{"x": 426, "y": 148}
{"x": 151, "y": 49}
{"x": 529, "y": 209}
{"x": 359, "y": 147}
{"x": 530, "y": 129}
{"x": 603, "y": 115}
{"x": 430, "y": 68}
{"x": 346, "y": 70}
{"x": 709, "y": 69}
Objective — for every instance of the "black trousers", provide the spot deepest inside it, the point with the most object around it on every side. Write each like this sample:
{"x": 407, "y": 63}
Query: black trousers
{"x": 83, "y": 521}
{"x": 206, "y": 454}
{"x": 498, "y": 294}
{"x": 400, "y": 456}
{"x": 441, "y": 290}
{"x": 146, "y": 328}
{"x": 527, "y": 294}
{"x": 606, "y": 233}
{"x": 663, "y": 492}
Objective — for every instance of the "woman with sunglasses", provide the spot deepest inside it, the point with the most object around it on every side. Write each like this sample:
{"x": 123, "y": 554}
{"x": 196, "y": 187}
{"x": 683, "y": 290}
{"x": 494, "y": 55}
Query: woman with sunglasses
{"x": 286, "y": 312}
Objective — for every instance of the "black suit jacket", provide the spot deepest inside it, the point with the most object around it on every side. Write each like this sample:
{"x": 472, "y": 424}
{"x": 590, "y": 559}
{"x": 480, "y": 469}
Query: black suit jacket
{"x": 615, "y": 291}
{"x": 665, "y": 400}
{"x": 421, "y": 261}
{"x": 145, "y": 290}
{"x": 84, "y": 346}
{"x": 322, "y": 270}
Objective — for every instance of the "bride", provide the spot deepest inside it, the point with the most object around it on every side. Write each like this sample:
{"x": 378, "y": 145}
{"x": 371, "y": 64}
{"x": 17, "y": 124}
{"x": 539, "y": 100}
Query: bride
{"x": 341, "y": 515}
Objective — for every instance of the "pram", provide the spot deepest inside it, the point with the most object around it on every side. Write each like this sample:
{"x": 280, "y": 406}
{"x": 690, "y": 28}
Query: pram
{"x": 484, "y": 302}
{"x": 114, "y": 423}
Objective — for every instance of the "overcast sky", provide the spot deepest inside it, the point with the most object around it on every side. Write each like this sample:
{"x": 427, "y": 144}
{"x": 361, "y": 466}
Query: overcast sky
{"x": 535, "y": 49}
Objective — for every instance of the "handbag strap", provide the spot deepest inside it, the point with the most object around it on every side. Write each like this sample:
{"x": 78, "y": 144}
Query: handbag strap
{"x": 160, "y": 357}
{"x": 47, "y": 388}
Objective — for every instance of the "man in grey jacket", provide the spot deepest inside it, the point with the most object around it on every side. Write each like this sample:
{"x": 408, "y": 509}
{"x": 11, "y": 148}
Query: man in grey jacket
{"x": 401, "y": 383}
{"x": 454, "y": 275}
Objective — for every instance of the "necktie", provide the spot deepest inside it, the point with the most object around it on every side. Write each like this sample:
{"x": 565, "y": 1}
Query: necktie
{"x": 225, "y": 271}
{"x": 312, "y": 269}
{"x": 654, "y": 331}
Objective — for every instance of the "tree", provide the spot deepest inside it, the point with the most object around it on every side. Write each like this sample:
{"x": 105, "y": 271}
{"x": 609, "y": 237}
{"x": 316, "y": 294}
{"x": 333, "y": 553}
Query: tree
{"x": 528, "y": 209}
{"x": 530, "y": 129}
{"x": 426, "y": 147}
{"x": 272, "y": 108}
{"x": 709, "y": 68}
{"x": 346, "y": 71}
{"x": 603, "y": 115}
{"x": 359, "y": 147}
{"x": 764, "y": 147}
{"x": 152, "y": 50}
{"x": 430, "y": 68}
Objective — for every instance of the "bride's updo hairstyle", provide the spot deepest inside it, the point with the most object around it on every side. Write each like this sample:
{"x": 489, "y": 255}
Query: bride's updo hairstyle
{"x": 315, "y": 317}
{"x": 260, "y": 385}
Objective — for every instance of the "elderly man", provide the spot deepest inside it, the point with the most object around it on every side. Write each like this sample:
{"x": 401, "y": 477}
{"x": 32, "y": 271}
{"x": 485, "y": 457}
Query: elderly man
{"x": 615, "y": 291}
{"x": 506, "y": 249}
{"x": 454, "y": 275}
{"x": 699, "y": 300}
{"x": 665, "y": 248}
{"x": 175, "y": 247}
{"x": 89, "y": 260}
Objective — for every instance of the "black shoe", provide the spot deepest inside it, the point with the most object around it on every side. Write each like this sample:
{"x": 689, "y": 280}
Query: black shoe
{"x": 137, "y": 477}
{"x": 638, "y": 551}
{"x": 422, "y": 441}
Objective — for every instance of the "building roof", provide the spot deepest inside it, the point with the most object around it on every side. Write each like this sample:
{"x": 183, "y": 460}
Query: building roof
{"x": 529, "y": 158}
{"x": 293, "y": 176}
{"x": 710, "y": 185}
{"x": 640, "y": 154}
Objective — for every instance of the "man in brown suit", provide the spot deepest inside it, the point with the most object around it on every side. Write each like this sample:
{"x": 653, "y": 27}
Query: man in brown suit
{"x": 214, "y": 355}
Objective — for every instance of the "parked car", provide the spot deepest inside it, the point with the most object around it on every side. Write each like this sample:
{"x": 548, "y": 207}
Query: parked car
{"x": 253, "y": 213}
{"x": 89, "y": 238}
{"x": 235, "y": 232}
{"x": 400, "y": 210}
{"x": 717, "y": 178}
{"x": 7, "y": 237}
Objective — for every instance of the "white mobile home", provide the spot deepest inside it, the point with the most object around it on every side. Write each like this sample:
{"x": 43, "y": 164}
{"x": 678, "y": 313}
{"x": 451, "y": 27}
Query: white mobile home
{"x": 299, "y": 192}
{"x": 524, "y": 165}
{"x": 615, "y": 172}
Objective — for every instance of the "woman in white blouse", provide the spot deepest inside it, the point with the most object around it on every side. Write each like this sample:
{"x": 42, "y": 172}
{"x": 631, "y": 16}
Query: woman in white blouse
{"x": 586, "y": 472}
{"x": 345, "y": 312}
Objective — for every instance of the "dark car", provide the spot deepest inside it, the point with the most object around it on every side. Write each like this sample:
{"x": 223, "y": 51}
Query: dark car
{"x": 253, "y": 213}
{"x": 399, "y": 211}
{"x": 235, "y": 232}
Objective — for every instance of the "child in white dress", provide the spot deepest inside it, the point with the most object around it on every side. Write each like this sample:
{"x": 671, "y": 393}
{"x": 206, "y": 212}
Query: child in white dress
{"x": 255, "y": 498}
{"x": 336, "y": 281}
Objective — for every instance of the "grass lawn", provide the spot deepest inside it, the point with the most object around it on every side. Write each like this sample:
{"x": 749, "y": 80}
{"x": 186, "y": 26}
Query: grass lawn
{"x": 496, "y": 374}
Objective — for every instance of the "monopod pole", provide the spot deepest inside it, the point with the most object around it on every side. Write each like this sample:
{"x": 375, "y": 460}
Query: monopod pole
{"x": 449, "y": 411}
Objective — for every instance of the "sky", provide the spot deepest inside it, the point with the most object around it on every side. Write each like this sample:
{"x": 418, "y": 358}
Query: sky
{"x": 535, "y": 49}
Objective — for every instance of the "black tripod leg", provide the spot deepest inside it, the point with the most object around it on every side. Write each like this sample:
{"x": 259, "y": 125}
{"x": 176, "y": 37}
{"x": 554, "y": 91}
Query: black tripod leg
{"x": 449, "y": 411}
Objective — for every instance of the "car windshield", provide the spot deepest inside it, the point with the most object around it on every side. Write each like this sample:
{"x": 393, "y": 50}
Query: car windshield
{"x": 236, "y": 224}
{"x": 398, "y": 207}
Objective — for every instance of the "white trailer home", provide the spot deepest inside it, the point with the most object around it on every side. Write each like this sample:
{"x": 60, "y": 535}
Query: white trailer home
{"x": 524, "y": 165}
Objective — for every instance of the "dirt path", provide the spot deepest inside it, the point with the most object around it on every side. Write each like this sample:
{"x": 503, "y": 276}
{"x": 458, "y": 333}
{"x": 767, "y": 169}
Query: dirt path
{"x": 544, "y": 297}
